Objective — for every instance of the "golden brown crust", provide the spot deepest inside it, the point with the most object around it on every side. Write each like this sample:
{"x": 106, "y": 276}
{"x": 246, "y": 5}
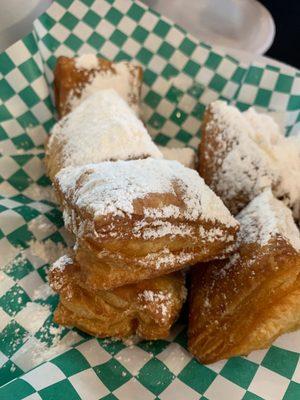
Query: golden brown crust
{"x": 115, "y": 263}
{"x": 71, "y": 80}
{"x": 242, "y": 306}
{"x": 147, "y": 309}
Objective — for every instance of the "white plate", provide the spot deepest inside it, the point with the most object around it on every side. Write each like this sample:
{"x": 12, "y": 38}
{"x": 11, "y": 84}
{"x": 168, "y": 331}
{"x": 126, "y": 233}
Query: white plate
{"x": 239, "y": 24}
{"x": 16, "y": 18}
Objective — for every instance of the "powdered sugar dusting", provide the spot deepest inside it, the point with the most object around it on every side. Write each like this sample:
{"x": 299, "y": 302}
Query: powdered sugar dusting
{"x": 159, "y": 228}
{"x": 151, "y": 296}
{"x": 265, "y": 217}
{"x": 283, "y": 154}
{"x": 62, "y": 262}
{"x": 165, "y": 257}
{"x": 242, "y": 165}
{"x": 86, "y": 61}
{"x": 59, "y": 345}
{"x": 35, "y": 349}
{"x": 253, "y": 155}
{"x": 112, "y": 187}
{"x": 163, "y": 212}
{"x": 162, "y": 299}
{"x": 102, "y": 128}
{"x": 48, "y": 251}
{"x": 33, "y": 316}
{"x": 210, "y": 235}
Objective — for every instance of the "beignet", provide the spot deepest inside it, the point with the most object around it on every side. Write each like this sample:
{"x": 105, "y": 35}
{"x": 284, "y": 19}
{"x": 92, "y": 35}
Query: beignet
{"x": 77, "y": 78}
{"x": 103, "y": 127}
{"x": 243, "y": 153}
{"x": 244, "y": 303}
{"x": 138, "y": 219}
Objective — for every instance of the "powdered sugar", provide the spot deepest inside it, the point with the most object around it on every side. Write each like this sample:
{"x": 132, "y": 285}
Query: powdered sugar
{"x": 165, "y": 257}
{"x": 19, "y": 261}
{"x": 213, "y": 234}
{"x": 185, "y": 156}
{"x": 48, "y": 251}
{"x": 59, "y": 345}
{"x": 150, "y": 296}
{"x": 283, "y": 155}
{"x": 62, "y": 262}
{"x": 102, "y": 128}
{"x": 286, "y": 154}
{"x": 35, "y": 349}
{"x": 264, "y": 218}
{"x": 242, "y": 165}
{"x": 33, "y": 316}
{"x": 163, "y": 212}
{"x": 264, "y": 128}
{"x": 158, "y": 229}
{"x": 121, "y": 77}
{"x": 162, "y": 299}
{"x": 112, "y": 189}
{"x": 86, "y": 61}
{"x": 253, "y": 155}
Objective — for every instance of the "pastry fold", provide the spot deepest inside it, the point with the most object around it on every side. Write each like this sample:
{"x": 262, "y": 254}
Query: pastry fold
{"x": 139, "y": 219}
{"x": 244, "y": 303}
{"x": 77, "y": 78}
{"x": 103, "y": 127}
{"x": 243, "y": 153}
{"x": 147, "y": 309}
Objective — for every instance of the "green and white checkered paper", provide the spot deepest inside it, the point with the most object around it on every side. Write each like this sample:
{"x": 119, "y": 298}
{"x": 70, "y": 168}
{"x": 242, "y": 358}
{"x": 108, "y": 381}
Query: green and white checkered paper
{"x": 181, "y": 77}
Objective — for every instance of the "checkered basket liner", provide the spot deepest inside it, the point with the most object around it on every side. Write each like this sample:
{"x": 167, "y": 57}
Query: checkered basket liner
{"x": 182, "y": 75}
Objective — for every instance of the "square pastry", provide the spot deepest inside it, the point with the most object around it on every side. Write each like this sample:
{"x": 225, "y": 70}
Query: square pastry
{"x": 147, "y": 309}
{"x": 245, "y": 302}
{"x": 138, "y": 219}
{"x": 77, "y": 78}
{"x": 103, "y": 127}
{"x": 243, "y": 153}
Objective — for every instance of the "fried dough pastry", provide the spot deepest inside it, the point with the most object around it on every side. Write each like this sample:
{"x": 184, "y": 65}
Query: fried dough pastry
{"x": 244, "y": 303}
{"x": 243, "y": 153}
{"x": 77, "y": 78}
{"x": 103, "y": 127}
{"x": 147, "y": 309}
{"x": 138, "y": 219}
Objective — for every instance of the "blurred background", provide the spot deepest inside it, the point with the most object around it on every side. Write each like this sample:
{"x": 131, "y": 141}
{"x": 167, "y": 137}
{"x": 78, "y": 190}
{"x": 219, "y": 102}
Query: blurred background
{"x": 286, "y": 45}
{"x": 247, "y": 29}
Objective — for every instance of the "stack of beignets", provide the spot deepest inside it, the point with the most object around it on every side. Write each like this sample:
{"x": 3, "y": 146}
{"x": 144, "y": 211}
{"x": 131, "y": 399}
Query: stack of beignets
{"x": 136, "y": 218}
